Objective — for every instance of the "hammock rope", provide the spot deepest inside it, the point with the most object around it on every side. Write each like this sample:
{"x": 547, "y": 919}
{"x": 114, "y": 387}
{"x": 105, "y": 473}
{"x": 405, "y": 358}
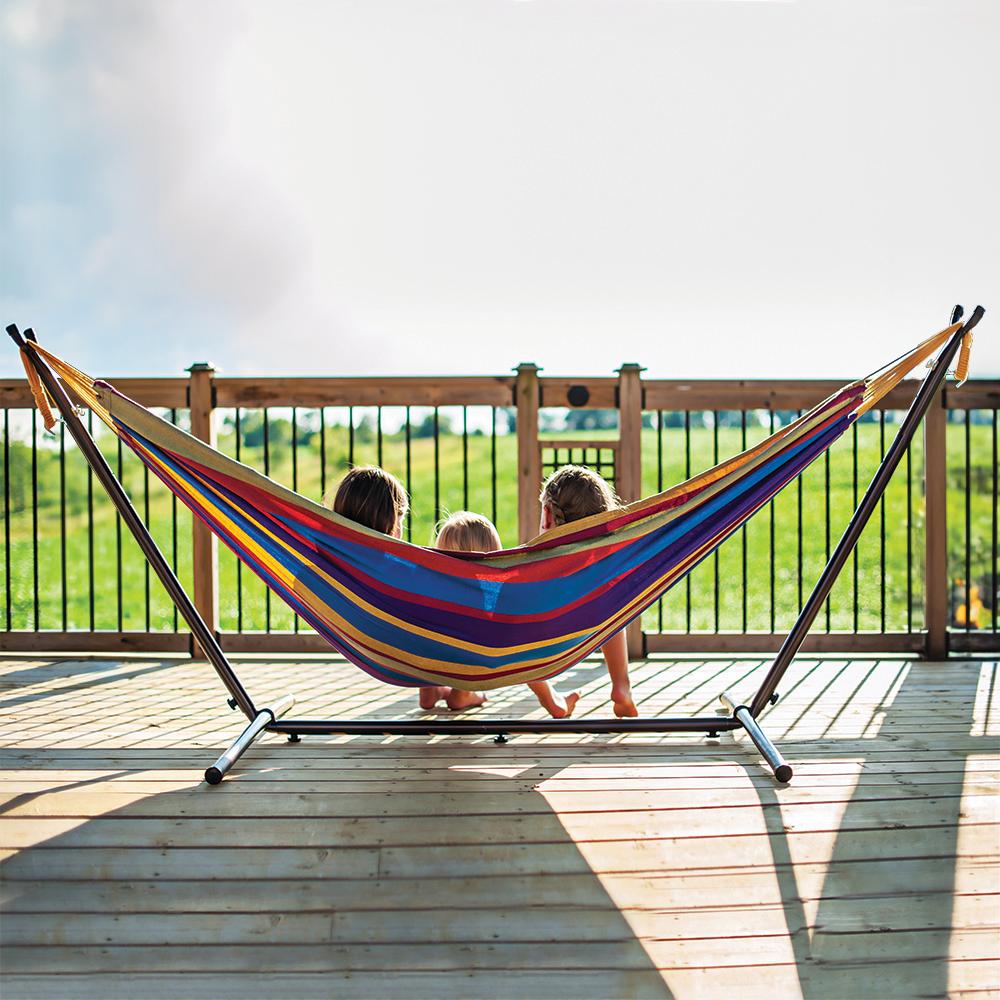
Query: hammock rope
{"x": 410, "y": 615}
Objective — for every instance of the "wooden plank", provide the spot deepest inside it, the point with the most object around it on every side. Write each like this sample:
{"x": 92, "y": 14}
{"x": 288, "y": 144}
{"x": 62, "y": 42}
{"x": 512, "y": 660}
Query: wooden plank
{"x": 170, "y": 393}
{"x": 435, "y": 976}
{"x": 893, "y": 926}
{"x": 601, "y": 392}
{"x": 433, "y": 800}
{"x": 746, "y": 886}
{"x": 460, "y": 390}
{"x": 770, "y": 642}
{"x": 127, "y": 784}
{"x": 442, "y": 982}
{"x": 110, "y": 643}
{"x": 536, "y": 828}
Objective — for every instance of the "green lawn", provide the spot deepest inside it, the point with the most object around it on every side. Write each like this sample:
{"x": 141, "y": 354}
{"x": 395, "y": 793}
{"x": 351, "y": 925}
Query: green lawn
{"x": 799, "y": 529}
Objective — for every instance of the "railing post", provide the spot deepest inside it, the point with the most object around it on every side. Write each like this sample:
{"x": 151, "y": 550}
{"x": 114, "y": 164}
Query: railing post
{"x": 629, "y": 470}
{"x": 205, "y": 549}
{"x": 936, "y": 529}
{"x": 529, "y": 458}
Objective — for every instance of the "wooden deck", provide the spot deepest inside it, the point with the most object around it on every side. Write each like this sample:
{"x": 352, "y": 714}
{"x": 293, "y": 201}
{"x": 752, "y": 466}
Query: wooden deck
{"x": 552, "y": 866}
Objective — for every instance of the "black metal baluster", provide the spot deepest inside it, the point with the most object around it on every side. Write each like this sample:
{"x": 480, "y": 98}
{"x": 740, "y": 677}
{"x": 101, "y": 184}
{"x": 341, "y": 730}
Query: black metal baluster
{"x": 909, "y": 540}
{"x": 62, "y": 524}
{"x": 687, "y": 475}
{"x": 881, "y": 514}
{"x": 6, "y": 517}
{"x": 854, "y": 494}
{"x": 295, "y": 481}
{"x": 465, "y": 458}
{"x": 378, "y": 434}
{"x": 295, "y": 450}
{"x": 659, "y": 489}
{"x": 968, "y": 521}
{"x": 34, "y": 515}
{"x": 350, "y": 436}
{"x": 798, "y": 481}
{"x": 493, "y": 462}
{"x": 173, "y": 531}
{"x": 322, "y": 452}
{"x": 118, "y": 542}
{"x": 743, "y": 528}
{"x": 770, "y": 504}
{"x": 437, "y": 467}
{"x": 826, "y": 501}
{"x": 715, "y": 551}
{"x": 409, "y": 477}
{"x": 239, "y": 562}
{"x": 90, "y": 528}
{"x": 267, "y": 472}
{"x": 145, "y": 521}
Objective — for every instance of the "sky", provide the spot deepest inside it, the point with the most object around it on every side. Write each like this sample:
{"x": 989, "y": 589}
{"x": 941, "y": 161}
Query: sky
{"x": 711, "y": 189}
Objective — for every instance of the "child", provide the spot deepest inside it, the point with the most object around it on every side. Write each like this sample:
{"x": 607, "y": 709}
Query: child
{"x": 569, "y": 494}
{"x": 468, "y": 532}
{"x": 375, "y": 498}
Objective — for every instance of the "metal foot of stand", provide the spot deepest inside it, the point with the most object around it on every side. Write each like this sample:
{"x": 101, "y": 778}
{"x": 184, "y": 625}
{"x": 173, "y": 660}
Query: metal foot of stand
{"x": 264, "y": 718}
{"x": 781, "y": 768}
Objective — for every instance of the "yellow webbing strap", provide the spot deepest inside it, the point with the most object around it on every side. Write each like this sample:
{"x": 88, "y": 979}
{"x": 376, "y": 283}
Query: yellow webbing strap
{"x": 38, "y": 393}
{"x": 962, "y": 368}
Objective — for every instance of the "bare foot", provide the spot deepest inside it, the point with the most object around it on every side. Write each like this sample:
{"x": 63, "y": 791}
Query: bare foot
{"x": 457, "y": 700}
{"x": 624, "y": 705}
{"x": 562, "y": 708}
{"x": 430, "y": 696}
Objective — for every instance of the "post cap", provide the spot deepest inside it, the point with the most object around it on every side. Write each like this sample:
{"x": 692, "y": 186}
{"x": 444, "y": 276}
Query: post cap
{"x": 201, "y": 366}
{"x": 630, "y": 367}
{"x": 527, "y": 366}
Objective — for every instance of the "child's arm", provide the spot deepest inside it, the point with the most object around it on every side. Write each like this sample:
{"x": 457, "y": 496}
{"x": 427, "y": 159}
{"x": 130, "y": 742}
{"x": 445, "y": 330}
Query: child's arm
{"x": 616, "y": 657}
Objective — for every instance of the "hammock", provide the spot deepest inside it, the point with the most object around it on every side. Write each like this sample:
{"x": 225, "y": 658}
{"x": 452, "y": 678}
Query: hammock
{"x": 410, "y": 615}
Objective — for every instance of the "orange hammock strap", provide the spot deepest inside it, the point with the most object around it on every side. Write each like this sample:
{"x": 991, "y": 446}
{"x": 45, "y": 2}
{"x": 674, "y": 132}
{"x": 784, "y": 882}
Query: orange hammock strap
{"x": 38, "y": 393}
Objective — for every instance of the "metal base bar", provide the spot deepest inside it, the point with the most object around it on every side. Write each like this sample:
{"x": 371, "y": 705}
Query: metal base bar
{"x": 781, "y": 768}
{"x": 264, "y": 719}
{"x": 492, "y": 727}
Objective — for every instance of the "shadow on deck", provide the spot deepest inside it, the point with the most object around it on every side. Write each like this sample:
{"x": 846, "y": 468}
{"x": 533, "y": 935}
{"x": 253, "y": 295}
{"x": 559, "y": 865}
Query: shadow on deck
{"x": 591, "y": 866}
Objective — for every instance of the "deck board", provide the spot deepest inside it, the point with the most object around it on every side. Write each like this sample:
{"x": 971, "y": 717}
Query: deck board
{"x": 595, "y": 866}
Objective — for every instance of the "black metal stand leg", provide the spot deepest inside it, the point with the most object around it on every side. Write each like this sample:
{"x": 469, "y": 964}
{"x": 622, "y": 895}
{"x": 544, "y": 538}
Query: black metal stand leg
{"x": 264, "y": 718}
{"x": 781, "y": 768}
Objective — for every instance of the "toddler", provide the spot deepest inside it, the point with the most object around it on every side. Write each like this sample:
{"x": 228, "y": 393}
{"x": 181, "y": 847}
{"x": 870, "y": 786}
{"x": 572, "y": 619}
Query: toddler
{"x": 569, "y": 494}
{"x": 468, "y": 532}
{"x": 375, "y": 498}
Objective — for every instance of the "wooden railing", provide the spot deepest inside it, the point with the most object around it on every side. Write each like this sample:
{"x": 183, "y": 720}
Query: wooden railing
{"x": 657, "y": 420}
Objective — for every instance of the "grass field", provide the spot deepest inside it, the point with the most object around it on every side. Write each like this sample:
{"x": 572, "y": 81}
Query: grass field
{"x": 122, "y": 594}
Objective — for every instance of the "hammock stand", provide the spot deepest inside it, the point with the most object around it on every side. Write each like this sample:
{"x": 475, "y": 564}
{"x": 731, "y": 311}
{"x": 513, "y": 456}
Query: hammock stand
{"x": 269, "y": 718}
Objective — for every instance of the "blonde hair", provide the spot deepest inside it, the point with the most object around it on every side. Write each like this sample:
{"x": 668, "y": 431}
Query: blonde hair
{"x": 464, "y": 531}
{"x": 371, "y": 496}
{"x": 575, "y": 491}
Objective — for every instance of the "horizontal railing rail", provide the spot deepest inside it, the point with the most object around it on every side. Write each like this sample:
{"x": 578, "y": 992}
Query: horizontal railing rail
{"x": 922, "y": 579}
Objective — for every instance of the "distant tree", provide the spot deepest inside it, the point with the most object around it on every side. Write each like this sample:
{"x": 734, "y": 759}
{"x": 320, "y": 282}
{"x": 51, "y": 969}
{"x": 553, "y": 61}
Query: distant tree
{"x": 425, "y": 428}
{"x": 591, "y": 420}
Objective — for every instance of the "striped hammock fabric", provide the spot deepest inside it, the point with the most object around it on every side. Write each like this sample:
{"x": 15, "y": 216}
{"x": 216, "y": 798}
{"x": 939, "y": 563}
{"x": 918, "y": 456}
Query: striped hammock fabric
{"x": 410, "y": 615}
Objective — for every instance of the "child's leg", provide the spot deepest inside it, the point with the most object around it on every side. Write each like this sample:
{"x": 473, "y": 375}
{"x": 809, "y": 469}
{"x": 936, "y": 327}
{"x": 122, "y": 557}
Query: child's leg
{"x": 430, "y": 696}
{"x": 552, "y": 701}
{"x": 616, "y": 657}
{"x": 457, "y": 699}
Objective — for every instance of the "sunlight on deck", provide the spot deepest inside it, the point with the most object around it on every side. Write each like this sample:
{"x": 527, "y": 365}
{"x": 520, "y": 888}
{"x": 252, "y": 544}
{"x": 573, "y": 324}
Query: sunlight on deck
{"x": 593, "y": 866}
